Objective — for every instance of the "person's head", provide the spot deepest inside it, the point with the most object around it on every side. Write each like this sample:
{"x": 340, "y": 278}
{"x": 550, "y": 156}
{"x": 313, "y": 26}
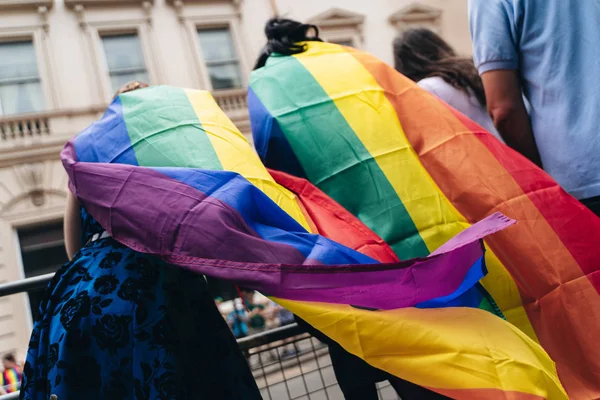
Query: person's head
{"x": 284, "y": 37}
{"x": 130, "y": 87}
{"x": 421, "y": 53}
{"x": 9, "y": 361}
{"x": 247, "y": 295}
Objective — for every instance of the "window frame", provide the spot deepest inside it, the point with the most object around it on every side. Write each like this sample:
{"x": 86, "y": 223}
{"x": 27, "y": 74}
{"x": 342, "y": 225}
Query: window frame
{"x": 24, "y": 80}
{"x": 14, "y": 223}
{"x": 194, "y": 23}
{"x": 108, "y": 73}
{"x": 99, "y": 65}
{"x": 208, "y": 64}
{"x": 44, "y": 62}
{"x": 23, "y": 251}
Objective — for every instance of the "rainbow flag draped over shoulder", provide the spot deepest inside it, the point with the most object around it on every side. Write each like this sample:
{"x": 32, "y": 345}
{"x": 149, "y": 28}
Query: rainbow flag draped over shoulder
{"x": 165, "y": 172}
{"x": 417, "y": 172}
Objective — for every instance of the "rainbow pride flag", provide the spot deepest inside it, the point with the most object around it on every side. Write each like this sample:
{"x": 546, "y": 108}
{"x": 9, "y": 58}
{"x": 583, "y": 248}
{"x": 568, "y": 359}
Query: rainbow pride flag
{"x": 417, "y": 173}
{"x": 165, "y": 172}
{"x": 10, "y": 380}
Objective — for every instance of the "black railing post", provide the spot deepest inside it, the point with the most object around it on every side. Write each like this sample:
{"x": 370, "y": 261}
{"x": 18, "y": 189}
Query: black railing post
{"x": 26, "y": 285}
{"x": 304, "y": 346}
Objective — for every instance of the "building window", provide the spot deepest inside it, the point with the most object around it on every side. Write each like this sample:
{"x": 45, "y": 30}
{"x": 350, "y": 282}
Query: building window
{"x": 340, "y": 26}
{"x": 343, "y": 42}
{"x": 43, "y": 252}
{"x": 20, "y": 84}
{"x": 220, "y": 58}
{"x": 125, "y": 59}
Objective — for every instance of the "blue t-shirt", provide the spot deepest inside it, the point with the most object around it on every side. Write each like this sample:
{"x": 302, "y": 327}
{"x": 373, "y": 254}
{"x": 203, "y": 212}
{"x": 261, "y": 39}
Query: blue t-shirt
{"x": 555, "y": 46}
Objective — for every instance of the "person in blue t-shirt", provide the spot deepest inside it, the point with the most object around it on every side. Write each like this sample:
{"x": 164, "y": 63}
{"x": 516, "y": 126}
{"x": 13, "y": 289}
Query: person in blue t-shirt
{"x": 546, "y": 50}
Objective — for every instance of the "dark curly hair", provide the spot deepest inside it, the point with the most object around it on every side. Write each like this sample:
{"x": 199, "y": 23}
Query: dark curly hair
{"x": 284, "y": 37}
{"x": 421, "y": 53}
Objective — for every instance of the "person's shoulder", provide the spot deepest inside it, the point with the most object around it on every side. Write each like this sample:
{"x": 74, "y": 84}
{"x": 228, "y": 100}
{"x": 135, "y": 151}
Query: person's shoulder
{"x": 432, "y": 82}
{"x": 492, "y": 8}
{"x": 490, "y": 3}
{"x": 438, "y": 86}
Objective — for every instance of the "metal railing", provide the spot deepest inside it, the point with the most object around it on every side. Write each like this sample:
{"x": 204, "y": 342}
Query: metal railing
{"x": 26, "y": 285}
{"x": 287, "y": 363}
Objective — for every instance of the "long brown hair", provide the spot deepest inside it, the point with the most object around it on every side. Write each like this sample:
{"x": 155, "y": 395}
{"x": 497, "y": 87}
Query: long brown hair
{"x": 421, "y": 53}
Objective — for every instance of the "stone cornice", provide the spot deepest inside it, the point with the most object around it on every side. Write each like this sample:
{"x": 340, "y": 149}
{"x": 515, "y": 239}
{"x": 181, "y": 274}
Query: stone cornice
{"x": 25, "y": 5}
{"x": 104, "y": 3}
{"x": 337, "y": 17}
{"x": 235, "y": 2}
{"x": 415, "y": 12}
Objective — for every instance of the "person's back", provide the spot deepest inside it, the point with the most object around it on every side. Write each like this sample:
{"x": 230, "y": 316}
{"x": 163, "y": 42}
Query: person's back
{"x": 458, "y": 99}
{"x": 553, "y": 44}
{"x": 427, "y": 59}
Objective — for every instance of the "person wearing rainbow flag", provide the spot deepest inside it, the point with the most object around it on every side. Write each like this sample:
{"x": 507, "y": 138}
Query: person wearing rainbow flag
{"x": 417, "y": 172}
{"x": 168, "y": 190}
{"x": 357, "y": 379}
{"x": 10, "y": 378}
{"x": 121, "y": 324}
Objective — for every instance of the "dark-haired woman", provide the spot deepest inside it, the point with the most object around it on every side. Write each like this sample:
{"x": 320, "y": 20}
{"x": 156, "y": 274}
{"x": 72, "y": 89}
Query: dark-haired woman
{"x": 427, "y": 59}
{"x": 118, "y": 324}
{"x": 357, "y": 379}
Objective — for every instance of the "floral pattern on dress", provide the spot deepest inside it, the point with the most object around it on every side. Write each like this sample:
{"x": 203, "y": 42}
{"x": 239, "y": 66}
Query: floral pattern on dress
{"x": 118, "y": 324}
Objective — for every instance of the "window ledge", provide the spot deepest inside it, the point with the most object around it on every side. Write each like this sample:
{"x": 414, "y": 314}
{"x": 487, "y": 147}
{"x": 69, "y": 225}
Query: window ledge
{"x": 26, "y": 5}
{"x": 101, "y": 3}
{"x": 172, "y": 2}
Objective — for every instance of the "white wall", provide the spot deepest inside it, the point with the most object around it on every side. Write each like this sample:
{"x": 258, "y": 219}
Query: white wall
{"x": 378, "y": 31}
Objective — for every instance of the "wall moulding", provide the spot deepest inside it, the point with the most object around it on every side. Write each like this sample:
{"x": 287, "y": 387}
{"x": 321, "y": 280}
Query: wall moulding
{"x": 234, "y": 2}
{"x": 179, "y": 5}
{"x": 417, "y": 15}
{"x": 339, "y": 25}
{"x": 25, "y": 5}
{"x": 105, "y": 3}
{"x": 336, "y": 17}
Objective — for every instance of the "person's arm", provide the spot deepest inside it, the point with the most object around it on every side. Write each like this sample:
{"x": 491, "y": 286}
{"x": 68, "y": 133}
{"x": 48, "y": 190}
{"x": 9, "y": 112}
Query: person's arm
{"x": 72, "y": 226}
{"x": 495, "y": 32}
{"x": 505, "y": 105}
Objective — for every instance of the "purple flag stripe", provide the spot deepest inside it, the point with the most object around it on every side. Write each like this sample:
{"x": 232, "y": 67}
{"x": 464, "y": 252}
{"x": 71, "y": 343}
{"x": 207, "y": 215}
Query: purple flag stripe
{"x": 153, "y": 213}
{"x": 380, "y": 286}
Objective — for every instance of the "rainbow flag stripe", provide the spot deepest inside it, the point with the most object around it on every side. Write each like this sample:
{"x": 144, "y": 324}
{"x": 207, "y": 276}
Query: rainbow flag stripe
{"x": 166, "y": 173}
{"x": 417, "y": 172}
{"x": 143, "y": 162}
{"x": 10, "y": 380}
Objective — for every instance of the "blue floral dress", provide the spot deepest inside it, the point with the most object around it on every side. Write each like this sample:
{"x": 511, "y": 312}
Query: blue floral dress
{"x": 118, "y": 324}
